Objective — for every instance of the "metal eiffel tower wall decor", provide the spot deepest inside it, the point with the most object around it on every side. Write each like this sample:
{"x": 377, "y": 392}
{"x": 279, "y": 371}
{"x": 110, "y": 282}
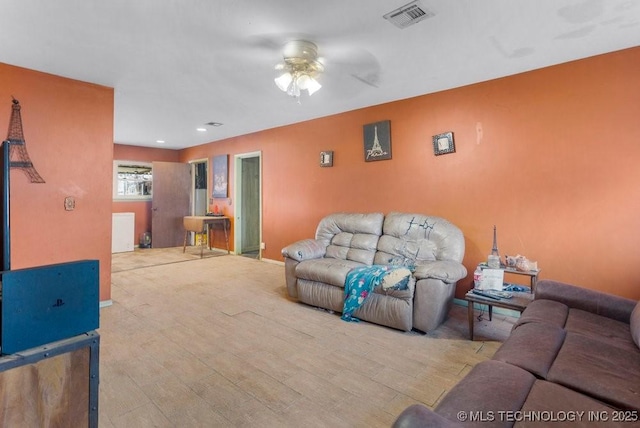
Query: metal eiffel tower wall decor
{"x": 494, "y": 250}
{"x": 18, "y": 156}
{"x": 13, "y": 155}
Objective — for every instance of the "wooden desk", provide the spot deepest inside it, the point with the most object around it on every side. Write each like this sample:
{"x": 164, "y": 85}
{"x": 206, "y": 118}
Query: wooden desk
{"x": 202, "y": 224}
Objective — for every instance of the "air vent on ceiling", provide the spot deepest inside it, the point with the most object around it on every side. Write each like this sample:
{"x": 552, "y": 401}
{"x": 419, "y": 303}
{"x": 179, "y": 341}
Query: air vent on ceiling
{"x": 408, "y": 14}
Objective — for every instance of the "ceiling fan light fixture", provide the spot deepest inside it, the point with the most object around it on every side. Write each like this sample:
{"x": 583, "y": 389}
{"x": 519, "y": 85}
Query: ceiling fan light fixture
{"x": 304, "y": 80}
{"x": 301, "y": 67}
{"x": 312, "y": 85}
{"x": 283, "y": 81}
{"x": 293, "y": 89}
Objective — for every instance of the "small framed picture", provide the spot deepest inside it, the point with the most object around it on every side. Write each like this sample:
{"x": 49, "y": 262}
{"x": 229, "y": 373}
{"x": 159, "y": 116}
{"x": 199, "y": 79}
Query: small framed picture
{"x": 443, "y": 144}
{"x": 326, "y": 158}
{"x": 220, "y": 176}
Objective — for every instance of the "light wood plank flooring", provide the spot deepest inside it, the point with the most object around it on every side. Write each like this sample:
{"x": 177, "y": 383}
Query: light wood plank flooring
{"x": 215, "y": 342}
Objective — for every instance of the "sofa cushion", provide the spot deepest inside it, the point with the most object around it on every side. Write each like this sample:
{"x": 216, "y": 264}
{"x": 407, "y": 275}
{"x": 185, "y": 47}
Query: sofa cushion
{"x": 545, "y": 400}
{"x": 359, "y": 247}
{"x": 394, "y": 313}
{"x": 597, "y": 302}
{"x": 327, "y": 270}
{"x": 560, "y": 401}
{"x": 399, "y": 251}
{"x": 331, "y": 225}
{"x": 491, "y": 386}
{"x": 607, "y": 330}
{"x": 445, "y": 270}
{"x": 545, "y": 311}
{"x": 423, "y": 236}
{"x": 533, "y": 347}
{"x": 594, "y": 367}
{"x": 321, "y": 295}
{"x": 305, "y": 249}
{"x": 418, "y": 415}
{"x": 635, "y": 325}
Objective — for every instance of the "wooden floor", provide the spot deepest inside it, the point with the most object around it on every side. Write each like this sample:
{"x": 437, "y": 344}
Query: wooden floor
{"x": 215, "y": 342}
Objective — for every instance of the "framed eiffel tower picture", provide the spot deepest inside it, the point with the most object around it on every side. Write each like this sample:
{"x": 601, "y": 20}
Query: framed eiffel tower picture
{"x": 377, "y": 141}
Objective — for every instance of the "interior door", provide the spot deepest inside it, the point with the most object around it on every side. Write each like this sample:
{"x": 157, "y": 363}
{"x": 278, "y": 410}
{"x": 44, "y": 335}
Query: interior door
{"x": 250, "y": 216}
{"x": 171, "y": 202}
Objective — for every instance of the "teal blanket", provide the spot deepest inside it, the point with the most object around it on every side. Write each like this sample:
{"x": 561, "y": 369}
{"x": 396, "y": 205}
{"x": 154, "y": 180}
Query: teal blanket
{"x": 360, "y": 283}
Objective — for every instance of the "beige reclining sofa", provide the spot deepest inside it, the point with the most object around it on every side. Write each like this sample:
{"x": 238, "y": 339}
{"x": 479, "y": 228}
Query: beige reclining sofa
{"x": 431, "y": 247}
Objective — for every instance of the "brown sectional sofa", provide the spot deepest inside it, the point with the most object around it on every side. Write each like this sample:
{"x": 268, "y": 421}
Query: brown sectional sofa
{"x": 316, "y": 269}
{"x": 573, "y": 357}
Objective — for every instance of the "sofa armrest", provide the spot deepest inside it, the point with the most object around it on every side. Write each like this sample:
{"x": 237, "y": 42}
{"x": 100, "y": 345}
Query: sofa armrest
{"x": 417, "y": 415}
{"x": 597, "y": 302}
{"x": 445, "y": 270}
{"x": 306, "y": 249}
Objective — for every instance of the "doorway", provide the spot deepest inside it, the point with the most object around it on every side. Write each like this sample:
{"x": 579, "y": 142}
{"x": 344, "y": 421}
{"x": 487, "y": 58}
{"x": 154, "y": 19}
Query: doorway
{"x": 248, "y": 199}
{"x": 199, "y": 187}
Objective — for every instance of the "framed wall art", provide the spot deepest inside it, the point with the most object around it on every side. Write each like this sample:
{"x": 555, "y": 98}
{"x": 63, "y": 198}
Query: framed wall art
{"x": 326, "y": 158}
{"x": 443, "y": 144}
{"x": 377, "y": 141}
{"x": 220, "y": 176}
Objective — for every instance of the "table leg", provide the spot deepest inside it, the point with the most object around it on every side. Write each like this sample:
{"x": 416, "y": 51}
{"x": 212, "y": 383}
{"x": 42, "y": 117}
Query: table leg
{"x": 186, "y": 234}
{"x": 470, "y": 314}
{"x": 490, "y": 312}
{"x": 225, "y": 224}
{"x": 206, "y": 233}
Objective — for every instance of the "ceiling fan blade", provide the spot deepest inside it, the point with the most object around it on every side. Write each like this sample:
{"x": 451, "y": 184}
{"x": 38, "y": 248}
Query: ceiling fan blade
{"x": 275, "y": 42}
{"x": 357, "y": 63}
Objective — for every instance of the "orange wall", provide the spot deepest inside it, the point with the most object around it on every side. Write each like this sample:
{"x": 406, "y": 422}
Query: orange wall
{"x": 550, "y": 157}
{"x": 68, "y": 128}
{"x": 141, "y": 209}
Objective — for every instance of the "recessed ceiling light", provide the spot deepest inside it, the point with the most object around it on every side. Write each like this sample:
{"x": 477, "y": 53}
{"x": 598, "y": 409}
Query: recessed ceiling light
{"x": 160, "y": 141}
{"x": 213, "y": 124}
{"x": 201, "y": 129}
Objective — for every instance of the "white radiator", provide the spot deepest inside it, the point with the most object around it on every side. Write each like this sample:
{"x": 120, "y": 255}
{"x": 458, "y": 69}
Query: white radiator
{"x": 122, "y": 232}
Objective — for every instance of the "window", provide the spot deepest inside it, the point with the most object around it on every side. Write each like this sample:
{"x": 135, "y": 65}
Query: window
{"x": 132, "y": 180}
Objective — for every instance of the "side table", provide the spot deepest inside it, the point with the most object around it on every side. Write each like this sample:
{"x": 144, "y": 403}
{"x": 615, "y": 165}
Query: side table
{"x": 518, "y": 302}
{"x": 532, "y": 274}
{"x": 202, "y": 224}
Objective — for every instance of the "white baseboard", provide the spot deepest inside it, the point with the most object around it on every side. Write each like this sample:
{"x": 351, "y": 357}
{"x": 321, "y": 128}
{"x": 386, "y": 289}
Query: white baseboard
{"x": 275, "y": 262}
{"x": 105, "y": 303}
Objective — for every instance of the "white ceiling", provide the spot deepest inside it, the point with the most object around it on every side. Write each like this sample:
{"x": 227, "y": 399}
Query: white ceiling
{"x": 178, "y": 64}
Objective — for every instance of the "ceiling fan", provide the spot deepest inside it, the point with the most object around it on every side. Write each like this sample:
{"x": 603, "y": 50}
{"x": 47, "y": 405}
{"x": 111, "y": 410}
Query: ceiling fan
{"x": 300, "y": 69}
{"x": 341, "y": 69}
